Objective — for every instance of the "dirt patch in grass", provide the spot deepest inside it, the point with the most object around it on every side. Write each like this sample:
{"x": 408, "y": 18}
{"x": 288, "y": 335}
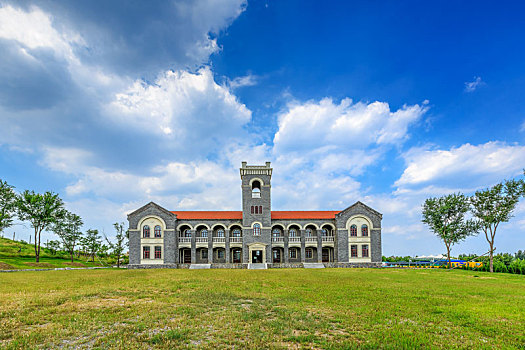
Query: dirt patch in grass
{"x": 76, "y": 264}
{"x": 4, "y": 266}
{"x": 40, "y": 264}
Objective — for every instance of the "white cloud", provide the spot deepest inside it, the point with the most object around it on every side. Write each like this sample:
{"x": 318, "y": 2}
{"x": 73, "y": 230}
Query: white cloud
{"x": 315, "y": 124}
{"x": 492, "y": 158}
{"x": 247, "y": 80}
{"x": 186, "y": 108}
{"x": 34, "y": 29}
{"x": 473, "y": 85}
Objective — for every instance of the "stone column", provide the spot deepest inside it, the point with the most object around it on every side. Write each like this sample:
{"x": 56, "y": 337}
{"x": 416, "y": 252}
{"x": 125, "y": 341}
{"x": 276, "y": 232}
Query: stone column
{"x": 336, "y": 246}
{"x": 176, "y": 247}
{"x": 193, "y": 247}
{"x": 210, "y": 247}
{"x": 303, "y": 246}
{"x": 227, "y": 245}
{"x": 169, "y": 247}
{"x": 286, "y": 247}
{"x": 319, "y": 245}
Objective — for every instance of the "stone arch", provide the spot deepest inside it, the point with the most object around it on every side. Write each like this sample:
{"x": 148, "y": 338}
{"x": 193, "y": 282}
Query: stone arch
{"x": 294, "y": 224}
{"x": 158, "y": 218}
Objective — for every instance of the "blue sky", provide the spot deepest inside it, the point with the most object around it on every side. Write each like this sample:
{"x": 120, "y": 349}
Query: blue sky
{"x": 114, "y": 104}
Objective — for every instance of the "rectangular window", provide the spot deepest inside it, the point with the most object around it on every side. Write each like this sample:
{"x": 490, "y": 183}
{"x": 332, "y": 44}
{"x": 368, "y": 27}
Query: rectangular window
{"x": 260, "y": 209}
{"x": 220, "y": 254}
{"x": 145, "y": 252}
{"x": 204, "y": 254}
{"x": 365, "y": 250}
{"x": 158, "y": 252}
{"x": 293, "y": 253}
{"x": 309, "y": 253}
{"x": 253, "y": 210}
{"x": 353, "y": 251}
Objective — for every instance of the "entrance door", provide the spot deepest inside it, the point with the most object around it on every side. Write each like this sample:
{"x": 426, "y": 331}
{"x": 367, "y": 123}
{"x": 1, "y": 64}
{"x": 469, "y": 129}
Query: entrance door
{"x": 236, "y": 256}
{"x": 276, "y": 256}
{"x": 186, "y": 256}
{"x": 257, "y": 256}
{"x": 326, "y": 255}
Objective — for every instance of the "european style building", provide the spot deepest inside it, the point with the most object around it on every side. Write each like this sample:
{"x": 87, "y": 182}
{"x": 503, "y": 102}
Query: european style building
{"x": 255, "y": 236}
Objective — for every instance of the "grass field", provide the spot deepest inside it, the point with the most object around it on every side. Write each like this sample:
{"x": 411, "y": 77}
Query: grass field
{"x": 11, "y": 259}
{"x": 289, "y": 308}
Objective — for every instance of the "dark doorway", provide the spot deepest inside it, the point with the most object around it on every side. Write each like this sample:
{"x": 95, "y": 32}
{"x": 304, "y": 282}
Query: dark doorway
{"x": 257, "y": 256}
{"x": 326, "y": 255}
{"x": 276, "y": 256}
{"x": 186, "y": 256}
{"x": 236, "y": 256}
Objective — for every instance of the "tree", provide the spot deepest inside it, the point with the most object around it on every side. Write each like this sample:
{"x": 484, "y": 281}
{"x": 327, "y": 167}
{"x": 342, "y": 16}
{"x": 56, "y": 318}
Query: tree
{"x": 495, "y": 205}
{"x": 118, "y": 247}
{"x": 68, "y": 229}
{"x": 41, "y": 210}
{"x": 7, "y": 205}
{"x": 445, "y": 216}
{"x": 53, "y": 246}
{"x": 92, "y": 241}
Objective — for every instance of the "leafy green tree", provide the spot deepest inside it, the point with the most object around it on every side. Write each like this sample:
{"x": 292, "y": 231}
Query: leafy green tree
{"x": 53, "y": 246}
{"x": 68, "y": 229}
{"x": 7, "y": 205}
{"x": 118, "y": 247}
{"x": 41, "y": 210}
{"x": 495, "y": 205}
{"x": 445, "y": 216}
{"x": 92, "y": 241}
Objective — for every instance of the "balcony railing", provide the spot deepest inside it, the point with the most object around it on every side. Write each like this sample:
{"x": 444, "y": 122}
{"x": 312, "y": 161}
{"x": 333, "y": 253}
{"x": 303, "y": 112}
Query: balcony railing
{"x": 328, "y": 238}
{"x": 294, "y": 240}
{"x": 310, "y": 239}
{"x": 235, "y": 239}
{"x": 201, "y": 239}
{"x": 219, "y": 239}
{"x": 278, "y": 239}
{"x": 185, "y": 239}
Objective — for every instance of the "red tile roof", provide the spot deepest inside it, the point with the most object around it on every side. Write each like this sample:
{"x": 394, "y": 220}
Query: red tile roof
{"x": 237, "y": 215}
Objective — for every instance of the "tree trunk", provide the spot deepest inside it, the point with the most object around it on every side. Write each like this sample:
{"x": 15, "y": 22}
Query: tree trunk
{"x": 118, "y": 260}
{"x": 37, "y": 256}
{"x": 448, "y": 255}
{"x": 491, "y": 255}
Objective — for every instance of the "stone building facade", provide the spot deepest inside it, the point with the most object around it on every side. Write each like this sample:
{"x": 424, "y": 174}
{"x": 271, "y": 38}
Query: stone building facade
{"x": 255, "y": 236}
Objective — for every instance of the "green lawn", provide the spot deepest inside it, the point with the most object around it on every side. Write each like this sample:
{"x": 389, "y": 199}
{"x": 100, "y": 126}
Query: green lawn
{"x": 12, "y": 259}
{"x": 289, "y": 308}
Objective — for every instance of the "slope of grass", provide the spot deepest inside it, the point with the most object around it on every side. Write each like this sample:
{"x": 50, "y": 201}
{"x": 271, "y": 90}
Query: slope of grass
{"x": 12, "y": 259}
{"x": 282, "y": 308}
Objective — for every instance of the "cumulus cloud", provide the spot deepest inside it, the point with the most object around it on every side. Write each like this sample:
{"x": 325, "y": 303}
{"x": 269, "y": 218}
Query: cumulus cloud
{"x": 247, "y": 80}
{"x": 464, "y": 163}
{"x": 312, "y": 125}
{"x": 471, "y": 86}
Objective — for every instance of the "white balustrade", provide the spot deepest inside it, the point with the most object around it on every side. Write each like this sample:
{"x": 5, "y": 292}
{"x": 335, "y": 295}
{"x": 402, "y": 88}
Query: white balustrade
{"x": 328, "y": 238}
{"x": 185, "y": 239}
{"x": 310, "y": 239}
{"x": 294, "y": 240}
{"x": 278, "y": 239}
{"x": 236, "y": 239}
{"x": 219, "y": 239}
{"x": 201, "y": 239}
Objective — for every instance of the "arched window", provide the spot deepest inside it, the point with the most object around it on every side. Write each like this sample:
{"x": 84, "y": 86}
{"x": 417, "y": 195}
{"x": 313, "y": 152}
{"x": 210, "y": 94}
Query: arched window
{"x": 187, "y": 233}
{"x": 276, "y": 232}
{"x": 324, "y": 232}
{"x": 256, "y": 189}
{"x": 236, "y": 233}
{"x": 158, "y": 231}
{"x": 293, "y": 232}
{"x": 364, "y": 230}
{"x": 220, "y": 232}
{"x": 308, "y": 232}
{"x": 252, "y": 210}
{"x": 353, "y": 231}
{"x": 256, "y": 230}
{"x": 145, "y": 231}
{"x": 256, "y": 209}
{"x": 260, "y": 209}
{"x": 204, "y": 232}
